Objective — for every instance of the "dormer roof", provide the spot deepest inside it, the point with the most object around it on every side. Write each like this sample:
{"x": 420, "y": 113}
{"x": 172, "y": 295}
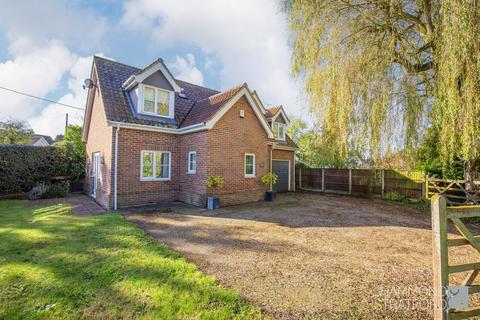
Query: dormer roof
{"x": 141, "y": 75}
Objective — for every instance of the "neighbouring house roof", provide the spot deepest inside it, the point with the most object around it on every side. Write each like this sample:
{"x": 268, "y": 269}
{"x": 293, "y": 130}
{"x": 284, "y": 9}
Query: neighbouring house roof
{"x": 200, "y": 105}
{"x": 38, "y": 139}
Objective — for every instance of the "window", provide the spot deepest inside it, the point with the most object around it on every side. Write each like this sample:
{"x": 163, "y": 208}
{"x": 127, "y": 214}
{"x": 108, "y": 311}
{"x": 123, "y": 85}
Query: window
{"x": 192, "y": 162}
{"x": 155, "y": 165}
{"x": 249, "y": 165}
{"x": 279, "y": 130}
{"x": 156, "y": 101}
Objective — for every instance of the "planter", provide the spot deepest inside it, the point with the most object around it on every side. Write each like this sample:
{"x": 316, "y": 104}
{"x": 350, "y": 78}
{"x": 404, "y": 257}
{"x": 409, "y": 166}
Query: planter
{"x": 270, "y": 195}
{"x": 213, "y": 203}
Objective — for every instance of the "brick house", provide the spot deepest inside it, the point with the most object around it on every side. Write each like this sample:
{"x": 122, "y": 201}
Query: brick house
{"x": 151, "y": 138}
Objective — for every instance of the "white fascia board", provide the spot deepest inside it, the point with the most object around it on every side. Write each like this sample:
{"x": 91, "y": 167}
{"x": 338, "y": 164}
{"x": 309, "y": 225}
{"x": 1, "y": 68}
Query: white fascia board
{"x": 278, "y": 147}
{"x": 284, "y": 115}
{"x": 87, "y": 115}
{"x": 193, "y": 128}
{"x": 258, "y": 101}
{"x": 243, "y": 92}
{"x": 159, "y": 66}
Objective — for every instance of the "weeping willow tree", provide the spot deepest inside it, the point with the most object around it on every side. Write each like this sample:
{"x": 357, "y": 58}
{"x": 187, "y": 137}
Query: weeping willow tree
{"x": 377, "y": 73}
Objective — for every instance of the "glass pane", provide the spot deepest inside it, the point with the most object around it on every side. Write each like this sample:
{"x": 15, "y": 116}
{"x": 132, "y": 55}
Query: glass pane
{"x": 147, "y": 168}
{"x": 149, "y": 100}
{"x": 275, "y": 129}
{"x": 249, "y": 165}
{"x": 162, "y": 102}
{"x": 192, "y": 162}
{"x": 162, "y": 164}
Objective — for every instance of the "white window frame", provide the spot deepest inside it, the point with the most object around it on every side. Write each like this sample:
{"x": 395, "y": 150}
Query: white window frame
{"x": 192, "y": 171}
{"x": 171, "y": 97}
{"x": 248, "y": 175}
{"x": 279, "y": 124}
{"x": 154, "y": 163}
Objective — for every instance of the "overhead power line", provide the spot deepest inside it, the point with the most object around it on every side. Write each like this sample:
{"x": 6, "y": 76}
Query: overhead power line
{"x": 39, "y": 98}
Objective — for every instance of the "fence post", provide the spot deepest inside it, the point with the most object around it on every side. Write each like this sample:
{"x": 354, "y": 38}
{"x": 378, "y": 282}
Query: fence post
{"x": 300, "y": 178}
{"x": 350, "y": 181}
{"x": 440, "y": 256}
{"x": 383, "y": 183}
{"x": 427, "y": 191}
{"x": 323, "y": 179}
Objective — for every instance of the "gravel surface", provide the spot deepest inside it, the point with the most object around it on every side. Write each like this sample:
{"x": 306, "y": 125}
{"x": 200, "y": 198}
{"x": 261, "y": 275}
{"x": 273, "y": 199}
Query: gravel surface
{"x": 311, "y": 256}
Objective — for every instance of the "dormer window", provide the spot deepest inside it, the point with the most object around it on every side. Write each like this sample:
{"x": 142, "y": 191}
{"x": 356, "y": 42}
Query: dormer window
{"x": 279, "y": 130}
{"x": 156, "y": 101}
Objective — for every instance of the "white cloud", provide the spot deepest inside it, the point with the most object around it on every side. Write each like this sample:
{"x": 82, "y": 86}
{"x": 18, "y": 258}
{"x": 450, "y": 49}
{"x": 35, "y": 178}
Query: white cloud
{"x": 51, "y": 120}
{"x": 39, "y": 20}
{"x": 37, "y": 70}
{"x": 249, "y": 38}
{"x": 185, "y": 69}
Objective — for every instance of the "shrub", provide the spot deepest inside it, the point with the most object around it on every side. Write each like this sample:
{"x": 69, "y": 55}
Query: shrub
{"x": 269, "y": 179}
{"x": 22, "y": 167}
{"x": 58, "y": 190}
{"x": 393, "y": 196}
{"x": 38, "y": 191}
{"x": 215, "y": 181}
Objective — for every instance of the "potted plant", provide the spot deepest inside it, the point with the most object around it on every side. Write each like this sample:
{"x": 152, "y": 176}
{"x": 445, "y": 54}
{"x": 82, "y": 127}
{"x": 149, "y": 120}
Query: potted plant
{"x": 214, "y": 182}
{"x": 269, "y": 179}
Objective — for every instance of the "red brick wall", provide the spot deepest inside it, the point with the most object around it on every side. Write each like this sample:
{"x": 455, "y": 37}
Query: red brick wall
{"x": 100, "y": 139}
{"x": 287, "y": 155}
{"x": 192, "y": 186}
{"x": 131, "y": 190}
{"x": 228, "y": 141}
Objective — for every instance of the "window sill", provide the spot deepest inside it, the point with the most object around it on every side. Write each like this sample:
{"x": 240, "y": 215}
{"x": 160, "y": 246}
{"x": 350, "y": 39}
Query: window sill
{"x": 155, "y": 179}
{"x": 249, "y": 176}
{"x": 191, "y": 172}
{"x": 155, "y": 115}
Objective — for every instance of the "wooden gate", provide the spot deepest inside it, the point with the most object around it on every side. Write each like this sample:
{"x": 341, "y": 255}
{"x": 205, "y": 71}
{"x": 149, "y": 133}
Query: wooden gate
{"x": 454, "y": 191}
{"x": 441, "y": 214}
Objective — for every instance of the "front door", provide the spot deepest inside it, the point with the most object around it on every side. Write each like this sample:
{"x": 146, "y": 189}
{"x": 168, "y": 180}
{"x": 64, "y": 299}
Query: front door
{"x": 95, "y": 172}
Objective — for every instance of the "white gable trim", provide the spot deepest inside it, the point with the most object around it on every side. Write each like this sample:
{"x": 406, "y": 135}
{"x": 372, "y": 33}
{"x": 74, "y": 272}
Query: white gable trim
{"x": 158, "y": 66}
{"x": 282, "y": 112}
{"x": 243, "y": 92}
{"x": 258, "y": 101}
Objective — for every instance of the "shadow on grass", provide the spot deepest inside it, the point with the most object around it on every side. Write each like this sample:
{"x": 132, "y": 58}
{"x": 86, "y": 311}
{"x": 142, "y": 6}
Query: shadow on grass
{"x": 99, "y": 267}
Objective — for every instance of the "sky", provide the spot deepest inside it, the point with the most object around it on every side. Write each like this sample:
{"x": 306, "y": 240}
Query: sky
{"x": 46, "y": 49}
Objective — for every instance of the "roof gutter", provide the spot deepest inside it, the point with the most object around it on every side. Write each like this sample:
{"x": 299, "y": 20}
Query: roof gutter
{"x": 189, "y": 129}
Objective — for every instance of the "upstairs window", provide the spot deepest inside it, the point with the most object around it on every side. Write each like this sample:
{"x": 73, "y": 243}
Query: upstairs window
{"x": 249, "y": 165}
{"x": 192, "y": 162}
{"x": 155, "y": 165}
{"x": 279, "y": 130}
{"x": 156, "y": 101}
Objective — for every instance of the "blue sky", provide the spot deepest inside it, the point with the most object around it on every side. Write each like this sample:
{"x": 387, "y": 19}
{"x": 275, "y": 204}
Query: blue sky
{"x": 46, "y": 49}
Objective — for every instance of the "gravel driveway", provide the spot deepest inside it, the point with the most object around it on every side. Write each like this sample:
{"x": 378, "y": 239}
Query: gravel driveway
{"x": 311, "y": 255}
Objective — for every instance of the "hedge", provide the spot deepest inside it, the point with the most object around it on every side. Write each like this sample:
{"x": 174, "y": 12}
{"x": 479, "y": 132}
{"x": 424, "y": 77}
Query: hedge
{"x": 22, "y": 167}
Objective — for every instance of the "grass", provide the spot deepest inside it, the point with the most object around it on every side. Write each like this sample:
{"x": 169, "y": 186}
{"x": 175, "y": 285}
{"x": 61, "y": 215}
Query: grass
{"x": 54, "y": 265}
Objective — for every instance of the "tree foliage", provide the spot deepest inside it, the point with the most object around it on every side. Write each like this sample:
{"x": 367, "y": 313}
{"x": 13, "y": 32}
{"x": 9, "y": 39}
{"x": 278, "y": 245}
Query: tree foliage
{"x": 13, "y": 131}
{"x": 73, "y": 148}
{"x": 374, "y": 70}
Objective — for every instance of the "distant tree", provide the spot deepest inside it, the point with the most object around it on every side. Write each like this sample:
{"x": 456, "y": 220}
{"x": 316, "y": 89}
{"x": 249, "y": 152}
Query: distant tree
{"x": 74, "y": 149}
{"x": 14, "y": 131}
{"x": 312, "y": 151}
{"x": 59, "y": 137}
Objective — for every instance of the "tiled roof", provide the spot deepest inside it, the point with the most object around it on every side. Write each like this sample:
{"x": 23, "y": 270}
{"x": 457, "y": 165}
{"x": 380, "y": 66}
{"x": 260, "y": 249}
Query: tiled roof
{"x": 272, "y": 111}
{"x": 200, "y": 105}
{"x": 206, "y": 108}
{"x": 111, "y": 76}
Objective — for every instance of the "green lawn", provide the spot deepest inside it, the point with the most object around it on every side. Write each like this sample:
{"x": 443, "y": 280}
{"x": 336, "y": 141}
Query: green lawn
{"x": 54, "y": 265}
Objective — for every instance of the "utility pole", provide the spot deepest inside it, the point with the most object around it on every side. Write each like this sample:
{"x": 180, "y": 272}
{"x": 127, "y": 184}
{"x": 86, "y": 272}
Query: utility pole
{"x": 66, "y": 123}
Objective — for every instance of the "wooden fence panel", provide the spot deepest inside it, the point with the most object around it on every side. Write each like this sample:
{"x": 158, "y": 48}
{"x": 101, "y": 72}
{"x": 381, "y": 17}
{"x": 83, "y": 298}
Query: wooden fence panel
{"x": 361, "y": 181}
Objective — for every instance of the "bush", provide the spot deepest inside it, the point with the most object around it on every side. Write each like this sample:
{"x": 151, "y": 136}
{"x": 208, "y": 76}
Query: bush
{"x": 215, "y": 182}
{"x": 38, "y": 191}
{"x": 22, "y": 167}
{"x": 47, "y": 191}
{"x": 393, "y": 196}
{"x": 58, "y": 190}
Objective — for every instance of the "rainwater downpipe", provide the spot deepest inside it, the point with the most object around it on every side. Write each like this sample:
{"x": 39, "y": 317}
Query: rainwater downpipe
{"x": 115, "y": 168}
